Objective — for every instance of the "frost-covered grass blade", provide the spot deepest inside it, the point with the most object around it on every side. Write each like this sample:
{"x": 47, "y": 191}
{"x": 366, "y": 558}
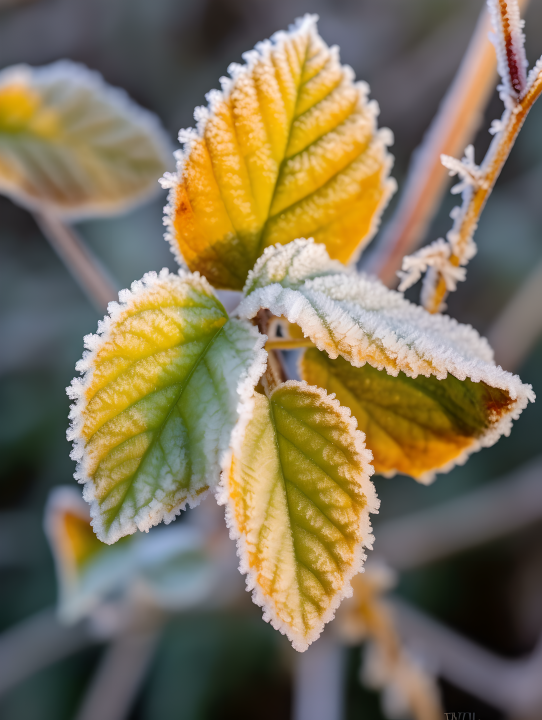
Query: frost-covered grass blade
{"x": 298, "y": 497}
{"x": 158, "y": 400}
{"x": 72, "y": 144}
{"x": 289, "y": 148}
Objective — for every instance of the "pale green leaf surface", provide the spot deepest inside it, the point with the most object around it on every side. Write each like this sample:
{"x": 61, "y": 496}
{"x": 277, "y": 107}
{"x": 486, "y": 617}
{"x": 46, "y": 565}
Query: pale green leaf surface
{"x": 355, "y": 317}
{"x": 72, "y": 144}
{"x": 298, "y": 497}
{"x": 170, "y": 567}
{"x": 158, "y": 401}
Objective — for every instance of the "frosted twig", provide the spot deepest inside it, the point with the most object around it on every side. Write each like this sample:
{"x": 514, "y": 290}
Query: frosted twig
{"x": 78, "y": 259}
{"x": 454, "y": 126}
{"x": 519, "y": 325}
{"x": 408, "y": 690}
{"x": 478, "y": 182}
{"x": 509, "y": 44}
{"x": 512, "y": 686}
{"x": 437, "y": 256}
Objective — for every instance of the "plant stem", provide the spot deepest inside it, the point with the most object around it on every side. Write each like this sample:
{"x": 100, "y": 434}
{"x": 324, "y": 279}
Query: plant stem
{"x": 118, "y": 679}
{"x": 288, "y": 344}
{"x": 82, "y": 265}
{"x": 275, "y": 372}
{"x": 510, "y": 685}
{"x": 34, "y": 644}
{"x": 496, "y": 156}
{"x": 318, "y": 681}
{"x": 453, "y": 127}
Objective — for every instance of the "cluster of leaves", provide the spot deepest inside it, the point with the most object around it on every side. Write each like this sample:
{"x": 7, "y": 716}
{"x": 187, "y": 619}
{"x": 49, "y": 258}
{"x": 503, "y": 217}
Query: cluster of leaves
{"x": 178, "y": 399}
{"x": 176, "y": 394}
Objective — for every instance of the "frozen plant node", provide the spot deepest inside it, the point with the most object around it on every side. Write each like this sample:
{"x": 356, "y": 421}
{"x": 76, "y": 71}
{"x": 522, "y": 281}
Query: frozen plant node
{"x": 437, "y": 256}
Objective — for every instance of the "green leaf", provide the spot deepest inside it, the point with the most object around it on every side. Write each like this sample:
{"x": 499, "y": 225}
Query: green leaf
{"x": 71, "y": 143}
{"x": 289, "y": 148}
{"x": 170, "y": 566}
{"x": 298, "y": 497}
{"x": 436, "y": 363}
{"x": 158, "y": 401}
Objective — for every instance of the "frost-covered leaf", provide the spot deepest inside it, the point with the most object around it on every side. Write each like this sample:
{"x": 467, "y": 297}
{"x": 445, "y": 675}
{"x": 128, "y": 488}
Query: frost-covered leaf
{"x": 356, "y": 317}
{"x": 157, "y": 403}
{"x": 289, "y": 148}
{"x": 90, "y": 571}
{"x": 72, "y": 143}
{"x": 298, "y": 497}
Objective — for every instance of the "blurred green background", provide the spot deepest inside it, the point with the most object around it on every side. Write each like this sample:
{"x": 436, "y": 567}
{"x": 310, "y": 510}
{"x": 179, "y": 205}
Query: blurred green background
{"x": 167, "y": 54}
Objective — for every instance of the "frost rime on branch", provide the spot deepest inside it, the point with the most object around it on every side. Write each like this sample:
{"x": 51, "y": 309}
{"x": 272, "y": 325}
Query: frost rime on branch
{"x": 444, "y": 261}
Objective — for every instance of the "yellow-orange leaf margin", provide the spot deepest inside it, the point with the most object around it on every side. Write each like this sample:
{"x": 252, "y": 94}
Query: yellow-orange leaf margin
{"x": 289, "y": 148}
{"x": 298, "y": 496}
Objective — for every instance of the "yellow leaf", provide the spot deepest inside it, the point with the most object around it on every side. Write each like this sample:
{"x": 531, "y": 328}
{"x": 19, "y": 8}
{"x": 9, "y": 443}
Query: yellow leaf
{"x": 288, "y": 149}
{"x": 298, "y": 498}
{"x": 158, "y": 401}
{"x": 71, "y": 143}
{"x": 415, "y": 426}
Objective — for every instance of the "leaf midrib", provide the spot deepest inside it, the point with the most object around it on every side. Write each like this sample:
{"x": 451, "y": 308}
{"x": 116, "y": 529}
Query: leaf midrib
{"x": 284, "y": 479}
{"x": 259, "y": 247}
{"x": 160, "y": 429}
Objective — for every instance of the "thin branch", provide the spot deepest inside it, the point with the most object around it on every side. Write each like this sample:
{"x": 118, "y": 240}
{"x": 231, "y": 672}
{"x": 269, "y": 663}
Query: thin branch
{"x": 288, "y": 344}
{"x": 518, "y": 327}
{"x": 275, "y": 372}
{"x": 477, "y": 183}
{"x": 452, "y": 129}
{"x": 368, "y": 617}
{"x": 34, "y": 644}
{"x": 120, "y": 674}
{"x": 509, "y": 685}
{"x": 499, "y": 509}
{"x": 83, "y": 266}
{"x": 318, "y": 681}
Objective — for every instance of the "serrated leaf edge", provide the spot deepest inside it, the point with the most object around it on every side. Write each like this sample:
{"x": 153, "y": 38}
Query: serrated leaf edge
{"x": 172, "y": 180}
{"x": 373, "y": 504}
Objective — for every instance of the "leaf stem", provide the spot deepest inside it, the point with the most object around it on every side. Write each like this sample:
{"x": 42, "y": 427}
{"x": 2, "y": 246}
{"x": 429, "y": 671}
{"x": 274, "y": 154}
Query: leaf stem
{"x": 78, "y": 259}
{"x": 451, "y": 130}
{"x": 275, "y": 373}
{"x": 288, "y": 344}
